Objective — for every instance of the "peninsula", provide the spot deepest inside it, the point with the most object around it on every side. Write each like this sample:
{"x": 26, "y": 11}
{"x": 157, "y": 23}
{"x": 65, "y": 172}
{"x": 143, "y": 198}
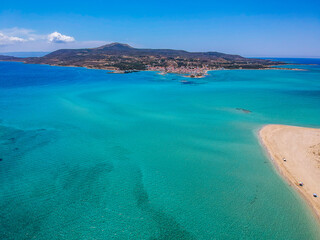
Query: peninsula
{"x": 295, "y": 152}
{"x": 123, "y": 58}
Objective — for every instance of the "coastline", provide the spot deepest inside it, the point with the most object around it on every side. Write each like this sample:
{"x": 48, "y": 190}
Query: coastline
{"x": 189, "y": 75}
{"x": 301, "y": 149}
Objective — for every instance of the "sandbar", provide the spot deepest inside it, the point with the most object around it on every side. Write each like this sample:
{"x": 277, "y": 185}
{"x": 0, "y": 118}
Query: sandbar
{"x": 295, "y": 152}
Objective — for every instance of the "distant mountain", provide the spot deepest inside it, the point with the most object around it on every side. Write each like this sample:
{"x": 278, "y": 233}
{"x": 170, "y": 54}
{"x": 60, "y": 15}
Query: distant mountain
{"x": 119, "y": 49}
{"x": 25, "y": 54}
{"x": 115, "y": 46}
{"x": 119, "y": 56}
{"x": 8, "y": 58}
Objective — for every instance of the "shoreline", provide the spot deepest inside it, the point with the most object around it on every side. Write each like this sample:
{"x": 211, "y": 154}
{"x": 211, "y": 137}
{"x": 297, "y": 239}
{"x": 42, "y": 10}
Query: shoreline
{"x": 115, "y": 71}
{"x": 300, "y": 147}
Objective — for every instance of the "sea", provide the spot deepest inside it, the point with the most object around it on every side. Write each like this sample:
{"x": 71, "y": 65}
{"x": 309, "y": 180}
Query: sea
{"x": 86, "y": 154}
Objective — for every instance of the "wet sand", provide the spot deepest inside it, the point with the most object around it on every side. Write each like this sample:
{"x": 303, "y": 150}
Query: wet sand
{"x": 301, "y": 149}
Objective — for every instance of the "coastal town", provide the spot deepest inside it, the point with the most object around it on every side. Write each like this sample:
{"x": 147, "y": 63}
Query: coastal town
{"x": 196, "y": 72}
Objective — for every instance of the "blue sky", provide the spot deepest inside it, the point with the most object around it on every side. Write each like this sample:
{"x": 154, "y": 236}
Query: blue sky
{"x": 250, "y": 28}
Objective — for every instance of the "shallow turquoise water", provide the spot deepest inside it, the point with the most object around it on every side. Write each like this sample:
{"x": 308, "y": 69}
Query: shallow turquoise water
{"x": 91, "y": 155}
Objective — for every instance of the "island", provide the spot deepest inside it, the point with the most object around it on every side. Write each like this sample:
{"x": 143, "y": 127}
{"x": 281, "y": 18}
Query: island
{"x": 295, "y": 152}
{"x": 122, "y": 58}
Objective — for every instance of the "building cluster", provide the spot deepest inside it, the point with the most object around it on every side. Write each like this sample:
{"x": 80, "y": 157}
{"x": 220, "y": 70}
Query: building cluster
{"x": 196, "y": 71}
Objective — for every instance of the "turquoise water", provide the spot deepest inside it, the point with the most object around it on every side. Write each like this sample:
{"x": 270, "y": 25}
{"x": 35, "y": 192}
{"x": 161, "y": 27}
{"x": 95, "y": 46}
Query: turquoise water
{"x": 91, "y": 155}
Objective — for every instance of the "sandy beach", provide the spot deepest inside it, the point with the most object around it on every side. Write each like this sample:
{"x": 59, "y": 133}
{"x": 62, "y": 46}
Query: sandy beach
{"x": 295, "y": 152}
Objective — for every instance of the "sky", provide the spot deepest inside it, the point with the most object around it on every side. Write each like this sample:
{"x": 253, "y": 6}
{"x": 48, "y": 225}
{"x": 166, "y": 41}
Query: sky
{"x": 271, "y": 28}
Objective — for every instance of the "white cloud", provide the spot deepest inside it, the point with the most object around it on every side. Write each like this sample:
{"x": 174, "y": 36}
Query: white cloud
{"x": 7, "y": 40}
{"x": 16, "y": 35}
{"x": 20, "y": 32}
{"x": 11, "y": 36}
{"x": 57, "y": 37}
{"x": 28, "y": 40}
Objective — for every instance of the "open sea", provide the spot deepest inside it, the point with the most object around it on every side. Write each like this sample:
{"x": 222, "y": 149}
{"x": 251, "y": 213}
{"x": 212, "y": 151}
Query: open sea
{"x": 91, "y": 155}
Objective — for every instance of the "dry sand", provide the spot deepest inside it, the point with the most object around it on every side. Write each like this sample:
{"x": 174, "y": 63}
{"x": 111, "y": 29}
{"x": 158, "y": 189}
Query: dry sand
{"x": 301, "y": 149}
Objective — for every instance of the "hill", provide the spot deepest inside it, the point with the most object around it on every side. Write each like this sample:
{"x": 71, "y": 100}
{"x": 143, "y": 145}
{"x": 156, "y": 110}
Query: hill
{"x": 118, "y": 56}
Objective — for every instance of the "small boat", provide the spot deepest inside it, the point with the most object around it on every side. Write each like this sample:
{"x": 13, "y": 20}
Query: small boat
{"x": 301, "y": 184}
{"x": 315, "y": 195}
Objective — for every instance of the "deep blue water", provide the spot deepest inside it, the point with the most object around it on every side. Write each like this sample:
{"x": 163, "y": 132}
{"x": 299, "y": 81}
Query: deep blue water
{"x": 315, "y": 61}
{"x": 91, "y": 155}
